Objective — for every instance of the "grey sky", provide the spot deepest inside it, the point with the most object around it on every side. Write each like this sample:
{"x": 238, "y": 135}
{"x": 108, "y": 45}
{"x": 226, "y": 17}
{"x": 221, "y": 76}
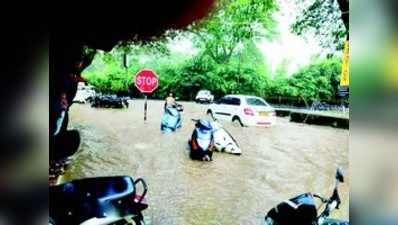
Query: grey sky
{"x": 288, "y": 45}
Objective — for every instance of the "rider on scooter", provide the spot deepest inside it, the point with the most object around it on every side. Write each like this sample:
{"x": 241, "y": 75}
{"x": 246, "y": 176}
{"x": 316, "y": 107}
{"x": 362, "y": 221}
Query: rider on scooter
{"x": 170, "y": 101}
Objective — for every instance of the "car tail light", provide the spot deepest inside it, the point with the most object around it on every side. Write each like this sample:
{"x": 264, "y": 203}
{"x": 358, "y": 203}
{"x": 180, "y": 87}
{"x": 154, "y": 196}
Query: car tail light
{"x": 248, "y": 111}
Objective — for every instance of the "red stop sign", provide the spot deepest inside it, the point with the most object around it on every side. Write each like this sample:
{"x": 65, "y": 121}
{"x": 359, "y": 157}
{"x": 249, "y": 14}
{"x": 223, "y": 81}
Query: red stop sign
{"x": 146, "y": 81}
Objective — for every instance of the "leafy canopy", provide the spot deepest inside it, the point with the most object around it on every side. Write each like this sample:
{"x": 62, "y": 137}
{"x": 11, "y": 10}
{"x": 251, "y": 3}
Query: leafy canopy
{"x": 322, "y": 18}
{"x": 232, "y": 24}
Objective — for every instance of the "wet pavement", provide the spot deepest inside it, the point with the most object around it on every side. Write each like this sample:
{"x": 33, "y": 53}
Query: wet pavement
{"x": 277, "y": 163}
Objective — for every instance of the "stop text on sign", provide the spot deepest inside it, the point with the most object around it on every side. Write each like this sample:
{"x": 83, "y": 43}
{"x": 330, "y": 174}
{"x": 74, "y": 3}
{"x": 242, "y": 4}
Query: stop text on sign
{"x": 146, "y": 81}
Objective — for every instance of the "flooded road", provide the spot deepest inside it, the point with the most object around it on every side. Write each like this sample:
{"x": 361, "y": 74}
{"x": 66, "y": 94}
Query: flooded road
{"x": 277, "y": 163}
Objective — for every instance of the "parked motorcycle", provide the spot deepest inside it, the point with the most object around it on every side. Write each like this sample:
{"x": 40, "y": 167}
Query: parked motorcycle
{"x": 223, "y": 140}
{"x": 99, "y": 200}
{"x": 171, "y": 120}
{"x": 201, "y": 142}
{"x": 301, "y": 210}
{"x": 109, "y": 101}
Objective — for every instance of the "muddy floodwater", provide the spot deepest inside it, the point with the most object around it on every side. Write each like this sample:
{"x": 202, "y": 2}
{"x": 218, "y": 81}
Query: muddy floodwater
{"x": 277, "y": 163}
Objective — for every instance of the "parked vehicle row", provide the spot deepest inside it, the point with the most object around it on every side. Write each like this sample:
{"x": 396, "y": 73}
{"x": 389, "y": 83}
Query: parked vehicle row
{"x": 84, "y": 93}
{"x": 109, "y": 101}
{"x": 323, "y": 106}
{"x": 244, "y": 110}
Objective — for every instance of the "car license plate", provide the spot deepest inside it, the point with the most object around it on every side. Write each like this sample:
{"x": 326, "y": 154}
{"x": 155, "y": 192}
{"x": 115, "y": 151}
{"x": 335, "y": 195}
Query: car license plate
{"x": 263, "y": 113}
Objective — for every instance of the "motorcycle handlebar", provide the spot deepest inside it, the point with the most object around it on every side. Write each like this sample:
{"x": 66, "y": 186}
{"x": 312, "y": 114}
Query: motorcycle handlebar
{"x": 332, "y": 203}
{"x": 324, "y": 200}
{"x": 335, "y": 197}
{"x": 145, "y": 188}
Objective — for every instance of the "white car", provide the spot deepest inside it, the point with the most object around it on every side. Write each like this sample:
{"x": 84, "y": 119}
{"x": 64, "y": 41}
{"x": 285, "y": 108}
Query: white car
{"x": 204, "y": 96}
{"x": 244, "y": 110}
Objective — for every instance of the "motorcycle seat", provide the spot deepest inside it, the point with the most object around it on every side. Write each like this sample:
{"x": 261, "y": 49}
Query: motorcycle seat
{"x": 78, "y": 200}
{"x": 102, "y": 188}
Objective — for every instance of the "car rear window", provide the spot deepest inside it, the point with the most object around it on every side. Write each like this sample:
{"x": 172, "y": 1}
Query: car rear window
{"x": 255, "y": 102}
{"x": 229, "y": 101}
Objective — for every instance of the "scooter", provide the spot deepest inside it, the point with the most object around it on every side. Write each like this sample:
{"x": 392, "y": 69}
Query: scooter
{"x": 99, "y": 200}
{"x": 223, "y": 140}
{"x": 171, "y": 120}
{"x": 201, "y": 142}
{"x": 302, "y": 210}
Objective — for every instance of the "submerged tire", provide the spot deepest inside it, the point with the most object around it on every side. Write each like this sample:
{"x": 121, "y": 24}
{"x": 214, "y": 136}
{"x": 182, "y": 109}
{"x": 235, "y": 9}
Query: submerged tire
{"x": 236, "y": 120}
{"x": 210, "y": 114}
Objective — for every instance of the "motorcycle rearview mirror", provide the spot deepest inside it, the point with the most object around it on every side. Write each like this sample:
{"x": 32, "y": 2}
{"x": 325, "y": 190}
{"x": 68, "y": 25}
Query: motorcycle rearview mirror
{"x": 339, "y": 175}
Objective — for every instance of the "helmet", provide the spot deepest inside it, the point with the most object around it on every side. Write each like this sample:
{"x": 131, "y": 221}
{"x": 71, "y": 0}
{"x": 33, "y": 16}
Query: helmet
{"x": 204, "y": 124}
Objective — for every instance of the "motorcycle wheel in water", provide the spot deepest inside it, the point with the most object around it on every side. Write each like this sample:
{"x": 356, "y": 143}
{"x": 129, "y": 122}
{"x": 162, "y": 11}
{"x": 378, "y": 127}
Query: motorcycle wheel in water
{"x": 201, "y": 142}
{"x": 98, "y": 200}
{"x": 301, "y": 210}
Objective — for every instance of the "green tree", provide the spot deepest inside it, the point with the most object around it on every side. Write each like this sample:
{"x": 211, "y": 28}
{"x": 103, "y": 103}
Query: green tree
{"x": 233, "y": 23}
{"x": 317, "y": 82}
{"x": 279, "y": 86}
{"x": 327, "y": 19}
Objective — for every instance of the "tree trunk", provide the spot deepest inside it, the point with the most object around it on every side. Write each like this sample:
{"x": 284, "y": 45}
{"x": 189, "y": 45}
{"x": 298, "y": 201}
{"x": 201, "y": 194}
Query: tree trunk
{"x": 344, "y": 8}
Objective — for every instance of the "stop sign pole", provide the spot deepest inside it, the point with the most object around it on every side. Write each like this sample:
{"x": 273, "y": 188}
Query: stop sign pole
{"x": 146, "y": 81}
{"x": 145, "y": 107}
